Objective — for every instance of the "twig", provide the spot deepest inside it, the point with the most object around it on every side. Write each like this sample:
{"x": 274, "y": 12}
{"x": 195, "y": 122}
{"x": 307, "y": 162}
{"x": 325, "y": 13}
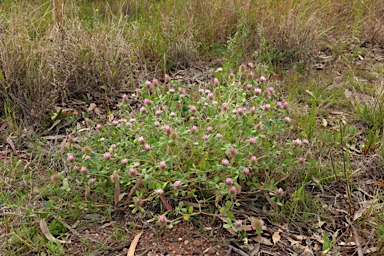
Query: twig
{"x": 239, "y": 251}
{"x": 75, "y": 232}
{"x": 356, "y": 236}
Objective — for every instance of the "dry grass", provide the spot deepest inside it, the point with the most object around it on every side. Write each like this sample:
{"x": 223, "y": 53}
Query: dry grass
{"x": 52, "y": 50}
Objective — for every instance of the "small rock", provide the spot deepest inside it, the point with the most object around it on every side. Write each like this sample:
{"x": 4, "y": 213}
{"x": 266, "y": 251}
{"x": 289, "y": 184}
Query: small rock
{"x": 186, "y": 242}
{"x": 197, "y": 243}
{"x": 210, "y": 251}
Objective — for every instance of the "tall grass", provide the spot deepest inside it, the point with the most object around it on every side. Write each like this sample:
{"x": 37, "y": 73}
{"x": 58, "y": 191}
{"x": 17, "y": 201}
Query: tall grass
{"x": 52, "y": 50}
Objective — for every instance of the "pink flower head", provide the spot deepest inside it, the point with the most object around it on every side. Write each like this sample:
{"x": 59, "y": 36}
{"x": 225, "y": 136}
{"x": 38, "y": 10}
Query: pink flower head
{"x": 240, "y": 111}
{"x": 238, "y": 223}
{"x": 232, "y": 152}
{"x": 192, "y": 108}
{"x": 224, "y": 106}
{"x": 306, "y": 142}
{"x": 71, "y": 139}
{"x": 297, "y": 142}
{"x": 107, "y": 156}
{"x": 267, "y": 107}
{"x": 174, "y": 136}
{"x": 229, "y": 181}
{"x": 172, "y": 114}
{"x": 225, "y": 162}
{"x": 124, "y": 161}
{"x": 75, "y": 167}
{"x": 181, "y": 90}
{"x": 84, "y": 170}
{"x": 209, "y": 129}
{"x": 128, "y": 124}
{"x": 177, "y": 185}
{"x": 253, "y": 160}
{"x": 162, "y": 220}
{"x": 249, "y": 86}
{"x": 159, "y": 191}
{"x": 92, "y": 180}
{"x": 162, "y": 165}
{"x": 205, "y": 137}
{"x": 285, "y": 105}
{"x": 301, "y": 160}
{"x": 114, "y": 177}
{"x": 210, "y": 96}
{"x": 167, "y": 78}
{"x": 158, "y": 112}
{"x": 155, "y": 82}
{"x": 125, "y": 98}
{"x": 232, "y": 191}
{"x": 279, "y": 192}
{"x": 148, "y": 84}
{"x": 143, "y": 110}
{"x": 193, "y": 129}
{"x": 147, "y": 102}
{"x": 259, "y": 126}
{"x": 252, "y": 110}
{"x": 246, "y": 171}
{"x": 219, "y": 69}
{"x": 270, "y": 90}
{"x": 87, "y": 158}
{"x": 252, "y": 141}
{"x": 214, "y": 103}
{"x": 98, "y": 127}
{"x": 219, "y": 136}
{"x": 70, "y": 158}
{"x": 88, "y": 121}
{"x": 141, "y": 140}
{"x": 171, "y": 90}
{"x": 279, "y": 104}
{"x": 216, "y": 81}
{"x": 287, "y": 120}
{"x": 136, "y": 164}
{"x": 138, "y": 91}
{"x": 132, "y": 172}
{"x": 156, "y": 124}
{"x": 115, "y": 122}
{"x": 167, "y": 129}
{"x": 257, "y": 91}
{"x": 262, "y": 79}
{"x": 201, "y": 90}
{"x": 147, "y": 147}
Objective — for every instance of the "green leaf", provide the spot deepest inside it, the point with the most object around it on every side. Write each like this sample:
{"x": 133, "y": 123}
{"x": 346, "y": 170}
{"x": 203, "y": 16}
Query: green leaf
{"x": 190, "y": 209}
{"x": 228, "y": 204}
{"x": 226, "y": 226}
{"x": 186, "y": 217}
{"x": 326, "y": 244}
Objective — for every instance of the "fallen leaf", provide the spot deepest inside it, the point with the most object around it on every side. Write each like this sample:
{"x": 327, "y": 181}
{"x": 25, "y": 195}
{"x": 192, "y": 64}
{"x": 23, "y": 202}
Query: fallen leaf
{"x": 347, "y": 93}
{"x": 255, "y": 250}
{"x": 310, "y": 93}
{"x": 276, "y": 237}
{"x": 132, "y": 248}
{"x": 121, "y": 196}
{"x": 44, "y": 228}
{"x": 91, "y": 107}
{"x": 54, "y": 137}
{"x": 117, "y": 193}
{"x": 325, "y": 123}
{"x": 262, "y": 240}
{"x": 54, "y": 124}
{"x": 97, "y": 111}
{"x": 10, "y": 142}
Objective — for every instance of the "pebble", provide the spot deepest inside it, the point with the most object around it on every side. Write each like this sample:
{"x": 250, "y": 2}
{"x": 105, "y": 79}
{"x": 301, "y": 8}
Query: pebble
{"x": 186, "y": 242}
{"x": 197, "y": 243}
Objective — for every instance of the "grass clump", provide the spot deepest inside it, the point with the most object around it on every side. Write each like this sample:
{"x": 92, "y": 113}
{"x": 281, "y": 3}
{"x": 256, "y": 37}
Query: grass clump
{"x": 188, "y": 144}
